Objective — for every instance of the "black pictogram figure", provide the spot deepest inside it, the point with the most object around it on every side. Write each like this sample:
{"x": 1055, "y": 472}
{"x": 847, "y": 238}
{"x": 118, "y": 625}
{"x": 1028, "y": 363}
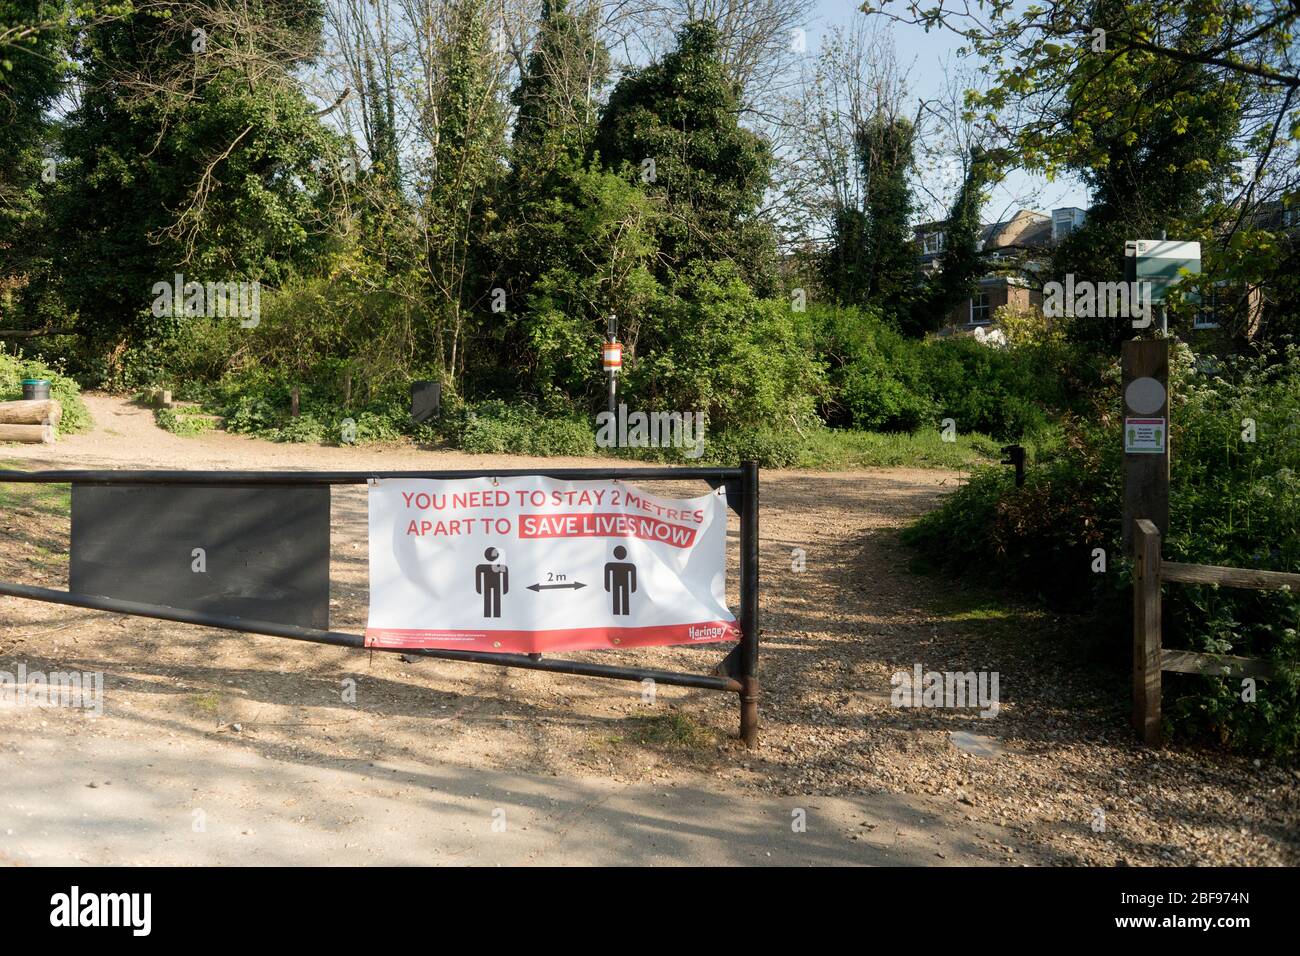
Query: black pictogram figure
{"x": 491, "y": 580}
{"x": 622, "y": 576}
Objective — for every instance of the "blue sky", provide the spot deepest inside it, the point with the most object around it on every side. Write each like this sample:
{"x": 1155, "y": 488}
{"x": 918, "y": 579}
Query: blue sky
{"x": 925, "y": 56}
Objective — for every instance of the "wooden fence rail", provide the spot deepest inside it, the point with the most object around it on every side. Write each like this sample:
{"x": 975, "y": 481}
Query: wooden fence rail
{"x": 1149, "y": 657}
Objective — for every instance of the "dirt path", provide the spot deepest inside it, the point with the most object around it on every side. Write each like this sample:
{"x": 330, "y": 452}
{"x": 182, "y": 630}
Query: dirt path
{"x": 1053, "y": 778}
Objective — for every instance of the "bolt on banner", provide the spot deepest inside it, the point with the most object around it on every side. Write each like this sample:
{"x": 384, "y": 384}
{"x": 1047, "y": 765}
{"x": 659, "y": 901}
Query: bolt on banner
{"x": 531, "y": 564}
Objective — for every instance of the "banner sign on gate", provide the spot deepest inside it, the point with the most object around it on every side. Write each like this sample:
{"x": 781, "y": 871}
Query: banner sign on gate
{"x": 530, "y": 564}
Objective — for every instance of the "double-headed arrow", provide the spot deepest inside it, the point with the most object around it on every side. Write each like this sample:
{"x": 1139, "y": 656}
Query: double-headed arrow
{"x": 552, "y": 587}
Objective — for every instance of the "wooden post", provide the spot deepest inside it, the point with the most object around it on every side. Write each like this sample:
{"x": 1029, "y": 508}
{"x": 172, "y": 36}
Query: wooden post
{"x": 1147, "y": 652}
{"x": 30, "y": 434}
{"x": 1146, "y": 420}
{"x": 293, "y": 402}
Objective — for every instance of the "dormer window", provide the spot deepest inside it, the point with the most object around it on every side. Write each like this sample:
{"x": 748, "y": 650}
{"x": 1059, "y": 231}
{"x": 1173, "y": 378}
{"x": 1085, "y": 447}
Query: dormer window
{"x": 932, "y": 243}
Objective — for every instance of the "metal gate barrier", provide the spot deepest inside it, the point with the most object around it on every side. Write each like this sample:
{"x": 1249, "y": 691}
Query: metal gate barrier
{"x": 737, "y": 672}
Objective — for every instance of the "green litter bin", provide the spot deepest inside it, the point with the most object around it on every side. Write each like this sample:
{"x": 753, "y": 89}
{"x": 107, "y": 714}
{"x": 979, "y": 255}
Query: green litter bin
{"x": 36, "y": 389}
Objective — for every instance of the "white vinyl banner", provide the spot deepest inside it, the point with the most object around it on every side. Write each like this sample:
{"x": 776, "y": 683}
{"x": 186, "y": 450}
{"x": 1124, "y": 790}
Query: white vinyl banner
{"x": 530, "y": 564}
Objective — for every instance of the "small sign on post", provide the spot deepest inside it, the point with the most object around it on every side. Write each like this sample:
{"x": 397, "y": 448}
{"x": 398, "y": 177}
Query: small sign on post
{"x": 611, "y": 355}
{"x": 1146, "y": 435}
{"x": 1162, "y": 263}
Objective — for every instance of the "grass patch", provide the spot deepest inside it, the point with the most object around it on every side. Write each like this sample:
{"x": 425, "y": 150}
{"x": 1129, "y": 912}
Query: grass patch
{"x": 843, "y": 448}
{"x": 206, "y": 703}
{"x": 53, "y": 500}
{"x": 674, "y": 731}
{"x": 833, "y": 448}
{"x": 991, "y": 617}
{"x": 1007, "y": 618}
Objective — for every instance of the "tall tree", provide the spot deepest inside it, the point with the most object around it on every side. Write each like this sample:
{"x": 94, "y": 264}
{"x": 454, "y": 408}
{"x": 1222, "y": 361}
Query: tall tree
{"x": 34, "y": 36}
{"x": 465, "y": 171}
{"x": 573, "y": 240}
{"x": 674, "y": 126}
{"x": 559, "y": 92}
{"x": 961, "y": 264}
{"x": 1162, "y": 167}
{"x": 886, "y": 268}
{"x": 1181, "y": 116}
{"x": 192, "y": 150}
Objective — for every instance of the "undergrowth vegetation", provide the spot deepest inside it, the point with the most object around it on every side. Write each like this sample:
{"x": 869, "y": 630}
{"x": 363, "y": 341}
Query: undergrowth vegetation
{"x": 1234, "y": 501}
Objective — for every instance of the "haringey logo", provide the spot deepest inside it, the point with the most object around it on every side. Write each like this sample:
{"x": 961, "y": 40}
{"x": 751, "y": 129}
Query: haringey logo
{"x": 704, "y": 633}
{"x": 132, "y": 910}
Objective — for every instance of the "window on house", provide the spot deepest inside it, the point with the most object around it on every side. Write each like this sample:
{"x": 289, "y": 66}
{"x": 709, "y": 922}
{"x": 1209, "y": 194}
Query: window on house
{"x": 980, "y": 313}
{"x": 1064, "y": 222}
{"x": 932, "y": 243}
{"x": 1207, "y": 316}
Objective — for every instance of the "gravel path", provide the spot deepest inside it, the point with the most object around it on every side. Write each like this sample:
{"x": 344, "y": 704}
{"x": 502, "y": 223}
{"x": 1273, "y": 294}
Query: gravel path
{"x": 1054, "y": 778}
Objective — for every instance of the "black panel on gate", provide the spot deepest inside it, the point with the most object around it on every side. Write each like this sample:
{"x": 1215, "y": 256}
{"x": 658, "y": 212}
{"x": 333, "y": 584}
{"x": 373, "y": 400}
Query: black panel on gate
{"x": 265, "y": 550}
{"x": 426, "y": 399}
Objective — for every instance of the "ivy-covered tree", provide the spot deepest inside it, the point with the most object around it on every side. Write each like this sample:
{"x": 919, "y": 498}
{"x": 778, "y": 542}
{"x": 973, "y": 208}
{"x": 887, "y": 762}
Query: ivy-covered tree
{"x": 885, "y": 151}
{"x": 961, "y": 265}
{"x": 558, "y": 95}
{"x": 193, "y": 150}
{"x": 871, "y": 258}
{"x": 844, "y": 267}
{"x": 464, "y": 176}
{"x": 34, "y": 37}
{"x": 574, "y": 240}
{"x": 674, "y": 127}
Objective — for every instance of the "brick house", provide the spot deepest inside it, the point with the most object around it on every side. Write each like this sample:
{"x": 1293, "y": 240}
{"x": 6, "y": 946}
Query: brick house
{"x": 1022, "y": 240}
{"x": 1226, "y": 307}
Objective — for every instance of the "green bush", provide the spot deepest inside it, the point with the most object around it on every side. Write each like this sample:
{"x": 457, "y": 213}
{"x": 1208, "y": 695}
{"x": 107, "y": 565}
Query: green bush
{"x": 875, "y": 374}
{"x": 770, "y": 447}
{"x": 881, "y": 380}
{"x": 1002, "y": 392}
{"x": 498, "y": 428}
{"x": 1232, "y": 502}
{"x": 180, "y": 423}
{"x": 306, "y": 428}
{"x": 15, "y": 368}
{"x": 713, "y": 346}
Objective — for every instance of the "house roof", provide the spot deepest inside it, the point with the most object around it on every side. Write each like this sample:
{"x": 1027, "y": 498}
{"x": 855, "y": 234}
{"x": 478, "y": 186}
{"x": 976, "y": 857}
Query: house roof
{"x": 1275, "y": 216}
{"x": 1027, "y": 228}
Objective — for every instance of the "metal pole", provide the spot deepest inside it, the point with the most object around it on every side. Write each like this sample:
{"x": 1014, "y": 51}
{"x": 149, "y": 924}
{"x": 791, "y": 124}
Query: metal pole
{"x": 749, "y": 616}
{"x": 341, "y": 639}
{"x": 1164, "y": 319}
{"x": 110, "y": 477}
{"x": 611, "y": 336}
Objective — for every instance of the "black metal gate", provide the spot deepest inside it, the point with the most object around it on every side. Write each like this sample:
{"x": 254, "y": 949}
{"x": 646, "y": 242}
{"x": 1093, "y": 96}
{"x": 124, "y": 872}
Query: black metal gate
{"x": 737, "y": 672}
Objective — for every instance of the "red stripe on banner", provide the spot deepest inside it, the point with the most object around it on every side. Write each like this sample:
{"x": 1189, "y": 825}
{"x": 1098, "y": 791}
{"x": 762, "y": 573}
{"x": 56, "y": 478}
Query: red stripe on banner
{"x": 568, "y": 639}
